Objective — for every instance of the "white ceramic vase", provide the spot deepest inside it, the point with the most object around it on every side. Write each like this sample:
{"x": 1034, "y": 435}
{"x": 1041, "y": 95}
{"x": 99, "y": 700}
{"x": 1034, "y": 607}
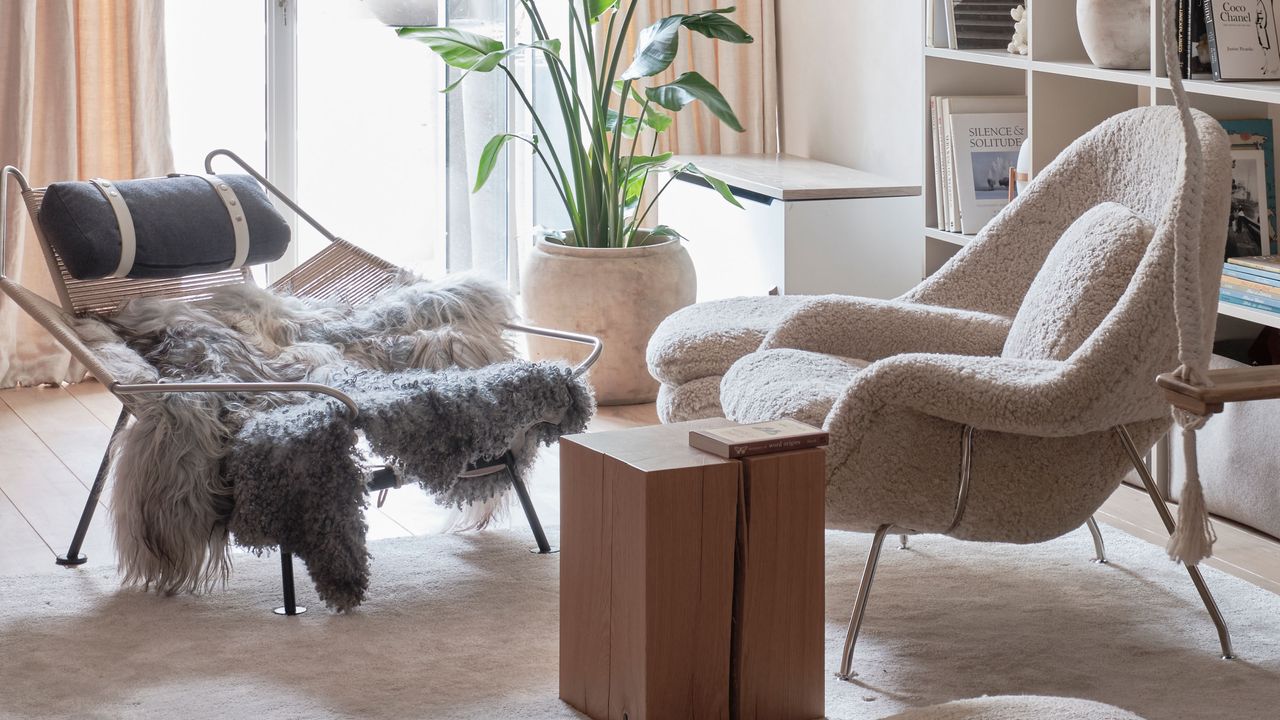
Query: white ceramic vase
{"x": 618, "y": 295}
{"x": 1116, "y": 33}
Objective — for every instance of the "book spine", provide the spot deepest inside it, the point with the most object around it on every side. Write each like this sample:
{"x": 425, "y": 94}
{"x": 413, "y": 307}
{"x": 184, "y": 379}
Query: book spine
{"x": 1242, "y": 302}
{"x": 1243, "y": 297}
{"x": 948, "y": 169}
{"x": 950, "y": 7}
{"x": 931, "y": 7}
{"x": 1258, "y": 276}
{"x": 1255, "y": 265}
{"x": 1234, "y": 283}
{"x": 706, "y": 444}
{"x": 1184, "y": 44}
{"x": 937, "y": 163}
{"x": 763, "y": 447}
{"x": 1213, "y": 40}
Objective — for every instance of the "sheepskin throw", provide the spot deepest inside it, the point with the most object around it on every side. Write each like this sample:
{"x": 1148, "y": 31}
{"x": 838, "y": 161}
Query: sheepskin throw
{"x": 429, "y": 366}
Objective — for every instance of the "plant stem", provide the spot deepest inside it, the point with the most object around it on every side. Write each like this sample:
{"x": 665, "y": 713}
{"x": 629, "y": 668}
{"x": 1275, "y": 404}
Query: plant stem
{"x": 573, "y": 215}
{"x": 640, "y": 218}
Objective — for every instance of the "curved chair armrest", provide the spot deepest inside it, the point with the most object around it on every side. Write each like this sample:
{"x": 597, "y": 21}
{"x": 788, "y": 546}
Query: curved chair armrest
{"x": 1045, "y": 398}
{"x": 233, "y": 387}
{"x": 871, "y": 329}
{"x": 597, "y": 346}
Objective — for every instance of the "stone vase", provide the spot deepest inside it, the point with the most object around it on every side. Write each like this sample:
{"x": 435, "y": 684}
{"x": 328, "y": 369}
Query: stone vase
{"x": 1116, "y": 33}
{"x": 616, "y": 294}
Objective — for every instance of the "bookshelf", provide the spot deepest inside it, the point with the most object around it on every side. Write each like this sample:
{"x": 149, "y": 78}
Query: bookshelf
{"x": 1067, "y": 96}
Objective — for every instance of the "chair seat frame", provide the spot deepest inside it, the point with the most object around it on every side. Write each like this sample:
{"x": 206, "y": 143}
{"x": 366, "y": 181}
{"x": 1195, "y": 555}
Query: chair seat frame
{"x": 856, "y": 618}
{"x": 342, "y": 268}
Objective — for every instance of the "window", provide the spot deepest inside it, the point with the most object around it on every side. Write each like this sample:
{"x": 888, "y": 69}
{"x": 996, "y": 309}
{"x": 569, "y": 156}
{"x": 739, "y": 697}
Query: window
{"x": 349, "y": 119}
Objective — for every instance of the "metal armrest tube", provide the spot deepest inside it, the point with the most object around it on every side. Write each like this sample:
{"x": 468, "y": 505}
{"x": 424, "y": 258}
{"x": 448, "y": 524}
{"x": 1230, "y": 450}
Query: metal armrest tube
{"x": 24, "y": 186}
{"x": 255, "y": 387}
{"x": 208, "y": 167}
{"x": 596, "y": 345}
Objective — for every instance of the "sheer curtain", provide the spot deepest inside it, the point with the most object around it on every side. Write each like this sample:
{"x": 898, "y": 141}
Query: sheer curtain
{"x": 479, "y": 231}
{"x": 82, "y": 94}
{"x": 746, "y": 74}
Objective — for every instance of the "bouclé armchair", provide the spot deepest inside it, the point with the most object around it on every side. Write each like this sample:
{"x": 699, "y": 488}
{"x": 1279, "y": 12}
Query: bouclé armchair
{"x": 1005, "y": 397}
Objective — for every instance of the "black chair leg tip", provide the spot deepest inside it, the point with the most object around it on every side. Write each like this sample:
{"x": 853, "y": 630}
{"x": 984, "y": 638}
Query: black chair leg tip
{"x": 65, "y": 561}
{"x": 549, "y": 551}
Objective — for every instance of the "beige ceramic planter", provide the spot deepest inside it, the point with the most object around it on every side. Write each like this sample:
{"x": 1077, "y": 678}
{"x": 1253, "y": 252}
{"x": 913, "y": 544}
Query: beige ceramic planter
{"x": 618, "y": 295}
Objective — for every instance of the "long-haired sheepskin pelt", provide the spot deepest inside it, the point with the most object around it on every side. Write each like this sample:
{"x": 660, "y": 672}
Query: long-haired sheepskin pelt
{"x": 428, "y": 363}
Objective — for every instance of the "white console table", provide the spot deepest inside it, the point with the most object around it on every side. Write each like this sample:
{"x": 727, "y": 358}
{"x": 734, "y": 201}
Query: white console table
{"x": 808, "y": 227}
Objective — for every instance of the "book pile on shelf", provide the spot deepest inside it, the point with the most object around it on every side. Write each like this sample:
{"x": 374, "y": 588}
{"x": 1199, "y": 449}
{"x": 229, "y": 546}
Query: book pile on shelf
{"x": 971, "y": 24}
{"x": 975, "y": 146}
{"x": 1228, "y": 40}
{"x": 1252, "y": 282}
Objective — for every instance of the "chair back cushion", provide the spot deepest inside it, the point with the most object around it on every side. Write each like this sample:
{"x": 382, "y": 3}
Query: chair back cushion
{"x": 1082, "y": 279}
{"x": 166, "y": 227}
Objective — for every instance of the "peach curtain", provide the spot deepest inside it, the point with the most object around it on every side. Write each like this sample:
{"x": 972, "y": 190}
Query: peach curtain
{"x": 82, "y": 94}
{"x": 746, "y": 74}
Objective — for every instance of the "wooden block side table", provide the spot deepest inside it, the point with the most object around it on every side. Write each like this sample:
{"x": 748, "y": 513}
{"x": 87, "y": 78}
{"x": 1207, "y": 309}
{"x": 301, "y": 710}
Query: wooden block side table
{"x": 691, "y": 585}
{"x": 778, "y": 659}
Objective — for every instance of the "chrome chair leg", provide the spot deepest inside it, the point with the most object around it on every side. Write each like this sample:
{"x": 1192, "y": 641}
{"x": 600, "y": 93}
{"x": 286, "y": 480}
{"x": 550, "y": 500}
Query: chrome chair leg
{"x": 74, "y": 557}
{"x": 860, "y": 603}
{"x": 1224, "y": 636}
{"x": 1099, "y": 548}
{"x": 902, "y": 542}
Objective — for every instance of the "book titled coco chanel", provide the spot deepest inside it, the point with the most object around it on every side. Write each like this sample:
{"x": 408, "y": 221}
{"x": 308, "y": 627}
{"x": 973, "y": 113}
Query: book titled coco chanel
{"x": 1243, "y": 39}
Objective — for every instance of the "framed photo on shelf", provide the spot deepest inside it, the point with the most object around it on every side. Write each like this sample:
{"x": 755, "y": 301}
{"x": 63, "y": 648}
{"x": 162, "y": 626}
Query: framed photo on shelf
{"x": 1247, "y": 222}
{"x": 1258, "y": 134}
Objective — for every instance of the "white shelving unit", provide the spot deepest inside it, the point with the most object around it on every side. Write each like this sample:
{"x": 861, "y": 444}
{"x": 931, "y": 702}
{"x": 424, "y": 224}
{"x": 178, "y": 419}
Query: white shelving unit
{"x": 1066, "y": 96}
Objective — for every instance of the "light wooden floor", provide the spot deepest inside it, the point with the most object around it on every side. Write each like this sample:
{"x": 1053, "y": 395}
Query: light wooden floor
{"x": 52, "y": 439}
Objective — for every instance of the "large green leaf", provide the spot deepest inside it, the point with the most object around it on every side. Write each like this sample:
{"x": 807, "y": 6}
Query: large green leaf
{"x": 489, "y": 157}
{"x": 716, "y": 183}
{"x": 643, "y": 163}
{"x": 596, "y": 8}
{"x": 715, "y": 25}
{"x": 458, "y": 48}
{"x": 656, "y": 49}
{"x": 491, "y": 61}
{"x": 660, "y": 42}
{"x": 655, "y": 120}
{"x": 691, "y": 86}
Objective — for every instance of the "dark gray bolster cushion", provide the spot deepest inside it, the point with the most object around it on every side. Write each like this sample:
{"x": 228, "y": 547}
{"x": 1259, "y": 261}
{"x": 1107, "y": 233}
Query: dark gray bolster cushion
{"x": 182, "y": 226}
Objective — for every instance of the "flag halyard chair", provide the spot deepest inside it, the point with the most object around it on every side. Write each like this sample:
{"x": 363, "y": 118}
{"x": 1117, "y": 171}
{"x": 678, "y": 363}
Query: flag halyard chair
{"x": 341, "y": 269}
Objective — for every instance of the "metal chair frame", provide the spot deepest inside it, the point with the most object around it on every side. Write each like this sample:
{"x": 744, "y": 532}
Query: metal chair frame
{"x": 341, "y": 267}
{"x": 873, "y": 556}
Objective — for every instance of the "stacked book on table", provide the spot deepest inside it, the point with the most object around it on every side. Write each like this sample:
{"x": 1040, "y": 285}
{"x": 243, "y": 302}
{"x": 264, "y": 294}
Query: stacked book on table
{"x": 1252, "y": 282}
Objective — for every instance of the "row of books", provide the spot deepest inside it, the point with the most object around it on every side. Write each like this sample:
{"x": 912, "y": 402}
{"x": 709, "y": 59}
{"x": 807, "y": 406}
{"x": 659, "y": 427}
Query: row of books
{"x": 1229, "y": 40}
{"x": 970, "y": 24}
{"x": 976, "y": 140}
{"x": 1252, "y": 282}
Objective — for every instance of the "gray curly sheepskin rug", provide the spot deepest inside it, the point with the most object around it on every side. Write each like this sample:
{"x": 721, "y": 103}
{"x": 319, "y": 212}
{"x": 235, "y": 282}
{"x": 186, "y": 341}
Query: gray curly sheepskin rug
{"x": 428, "y": 364}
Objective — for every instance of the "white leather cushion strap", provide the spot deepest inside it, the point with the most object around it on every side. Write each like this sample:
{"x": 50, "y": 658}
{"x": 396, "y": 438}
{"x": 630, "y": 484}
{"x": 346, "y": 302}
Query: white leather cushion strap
{"x": 124, "y": 220}
{"x": 236, "y": 212}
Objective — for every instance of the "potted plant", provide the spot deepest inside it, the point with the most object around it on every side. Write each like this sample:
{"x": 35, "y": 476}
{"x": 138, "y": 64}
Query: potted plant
{"x": 608, "y": 274}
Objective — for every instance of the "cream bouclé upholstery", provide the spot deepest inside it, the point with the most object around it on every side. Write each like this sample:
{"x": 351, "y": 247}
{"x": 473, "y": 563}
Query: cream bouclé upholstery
{"x": 1081, "y": 267}
{"x": 691, "y": 350}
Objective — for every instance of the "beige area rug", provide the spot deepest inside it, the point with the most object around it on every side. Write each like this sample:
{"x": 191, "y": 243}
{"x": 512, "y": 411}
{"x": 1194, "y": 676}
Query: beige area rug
{"x": 464, "y": 626}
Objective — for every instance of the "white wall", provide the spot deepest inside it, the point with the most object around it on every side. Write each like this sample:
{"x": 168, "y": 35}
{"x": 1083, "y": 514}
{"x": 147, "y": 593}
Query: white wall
{"x": 851, "y": 77}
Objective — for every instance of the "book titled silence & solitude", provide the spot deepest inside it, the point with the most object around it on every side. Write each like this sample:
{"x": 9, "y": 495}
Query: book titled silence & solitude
{"x": 737, "y": 441}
